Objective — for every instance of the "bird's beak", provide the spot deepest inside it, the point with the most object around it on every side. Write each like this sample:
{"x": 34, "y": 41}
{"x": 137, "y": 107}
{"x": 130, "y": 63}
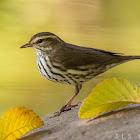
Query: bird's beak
{"x": 26, "y": 46}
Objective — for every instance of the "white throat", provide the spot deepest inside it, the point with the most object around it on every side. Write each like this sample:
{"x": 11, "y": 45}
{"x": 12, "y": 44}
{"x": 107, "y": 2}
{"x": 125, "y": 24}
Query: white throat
{"x": 38, "y": 52}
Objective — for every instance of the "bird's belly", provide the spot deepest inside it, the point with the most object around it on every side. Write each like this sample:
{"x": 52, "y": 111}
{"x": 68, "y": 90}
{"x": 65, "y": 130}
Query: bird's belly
{"x": 69, "y": 76}
{"x": 49, "y": 72}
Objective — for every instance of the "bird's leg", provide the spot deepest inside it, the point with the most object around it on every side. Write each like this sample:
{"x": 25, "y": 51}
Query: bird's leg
{"x": 68, "y": 105}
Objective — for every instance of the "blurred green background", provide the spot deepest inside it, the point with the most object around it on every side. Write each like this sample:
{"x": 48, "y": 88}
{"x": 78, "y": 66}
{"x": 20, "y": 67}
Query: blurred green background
{"x": 112, "y": 25}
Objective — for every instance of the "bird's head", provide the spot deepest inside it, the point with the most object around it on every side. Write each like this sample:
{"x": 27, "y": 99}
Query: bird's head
{"x": 43, "y": 41}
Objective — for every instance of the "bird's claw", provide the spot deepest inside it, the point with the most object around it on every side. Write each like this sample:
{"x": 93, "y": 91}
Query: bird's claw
{"x": 63, "y": 109}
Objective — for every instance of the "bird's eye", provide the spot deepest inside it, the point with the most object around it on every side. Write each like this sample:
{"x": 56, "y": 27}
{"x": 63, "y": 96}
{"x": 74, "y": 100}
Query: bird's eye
{"x": 40, "y": 40}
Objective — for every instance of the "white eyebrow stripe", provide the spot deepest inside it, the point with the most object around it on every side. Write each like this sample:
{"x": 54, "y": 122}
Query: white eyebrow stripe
{"x": 43, "y": 37}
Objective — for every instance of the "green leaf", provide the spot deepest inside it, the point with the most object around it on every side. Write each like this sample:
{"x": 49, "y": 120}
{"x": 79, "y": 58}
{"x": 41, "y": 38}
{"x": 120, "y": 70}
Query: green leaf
{"x": 111, "y": 94}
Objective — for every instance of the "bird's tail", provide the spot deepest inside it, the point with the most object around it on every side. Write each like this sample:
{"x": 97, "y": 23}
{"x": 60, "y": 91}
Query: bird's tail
{"x": 130, "y": 57}
{"x": 122, "y": 59}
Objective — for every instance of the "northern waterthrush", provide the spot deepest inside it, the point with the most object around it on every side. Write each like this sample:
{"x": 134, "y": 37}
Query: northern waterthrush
{"x": 66, "y": 63}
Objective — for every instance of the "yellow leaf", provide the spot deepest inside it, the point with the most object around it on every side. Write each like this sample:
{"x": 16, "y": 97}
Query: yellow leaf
{"x": 111, "y": 94}
{"x": 17, "y": 122}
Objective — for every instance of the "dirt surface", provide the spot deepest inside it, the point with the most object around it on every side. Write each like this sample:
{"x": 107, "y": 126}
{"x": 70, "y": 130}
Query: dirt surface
{"x": 120, "y": 124}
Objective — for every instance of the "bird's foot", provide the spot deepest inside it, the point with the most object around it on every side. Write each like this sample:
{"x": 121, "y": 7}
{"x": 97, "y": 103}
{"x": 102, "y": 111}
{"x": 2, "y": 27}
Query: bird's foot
{"x": 66, "y": 107}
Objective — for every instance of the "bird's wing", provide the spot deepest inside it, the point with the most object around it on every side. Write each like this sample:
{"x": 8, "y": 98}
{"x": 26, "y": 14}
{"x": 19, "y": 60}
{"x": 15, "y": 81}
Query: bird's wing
{"x": 72, "y": 56}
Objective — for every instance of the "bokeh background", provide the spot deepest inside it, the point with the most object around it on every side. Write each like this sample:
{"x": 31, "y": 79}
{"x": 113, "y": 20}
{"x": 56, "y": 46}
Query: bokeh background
{"x": 112, "y": 25}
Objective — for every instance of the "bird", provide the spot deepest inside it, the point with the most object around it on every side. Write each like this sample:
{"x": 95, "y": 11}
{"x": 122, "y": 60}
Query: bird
{"x": 62, "y": 62}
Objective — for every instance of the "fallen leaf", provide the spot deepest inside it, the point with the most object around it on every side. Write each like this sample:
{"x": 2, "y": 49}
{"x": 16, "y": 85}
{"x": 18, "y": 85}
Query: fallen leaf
{"x": 17, "y": 122}
{"x": 107, "y": 96}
